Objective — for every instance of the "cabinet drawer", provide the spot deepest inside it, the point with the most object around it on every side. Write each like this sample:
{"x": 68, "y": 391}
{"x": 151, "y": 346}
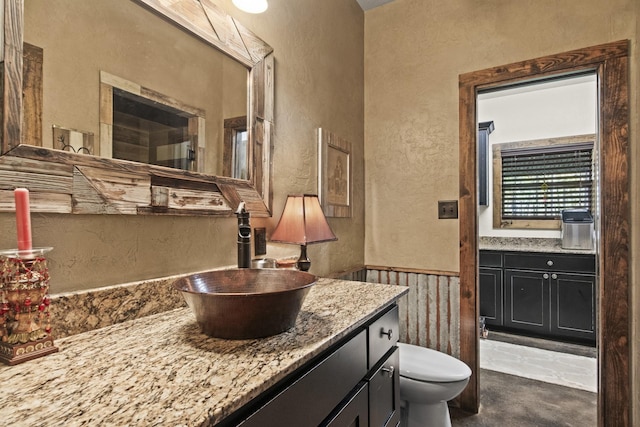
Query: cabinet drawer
{"x": 550, "y": 262}
{"x": 490, "y": 259}
{"x": 383, "y": 334}
{"x": 308, "y": 400}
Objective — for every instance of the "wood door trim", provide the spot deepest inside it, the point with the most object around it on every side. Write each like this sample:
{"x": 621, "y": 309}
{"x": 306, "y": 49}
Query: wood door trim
{"x": 610, "y": 62}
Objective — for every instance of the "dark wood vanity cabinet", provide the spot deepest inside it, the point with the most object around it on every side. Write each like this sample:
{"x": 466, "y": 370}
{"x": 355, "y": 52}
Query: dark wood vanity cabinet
{"x": 356, "y": 383}
{"x": 548, "y": 294}
{"x": 384, "y": 370}
{"x": 354, "y": 411}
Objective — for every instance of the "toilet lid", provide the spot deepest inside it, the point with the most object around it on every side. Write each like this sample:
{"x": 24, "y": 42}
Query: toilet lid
{"x": 425, "y": 364}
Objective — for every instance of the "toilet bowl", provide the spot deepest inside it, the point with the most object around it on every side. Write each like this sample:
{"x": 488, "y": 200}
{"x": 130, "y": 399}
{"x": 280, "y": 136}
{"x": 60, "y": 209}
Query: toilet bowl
{"x": 428, "y": 379}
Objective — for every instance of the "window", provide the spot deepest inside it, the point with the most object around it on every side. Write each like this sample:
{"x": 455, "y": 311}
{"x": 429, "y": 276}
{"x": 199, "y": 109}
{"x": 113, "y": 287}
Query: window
{"x": 538, "y": 179}
{"x": 149, "y": 132}
{"x": 236, "y": 148}
{"x": 142, "y": 125}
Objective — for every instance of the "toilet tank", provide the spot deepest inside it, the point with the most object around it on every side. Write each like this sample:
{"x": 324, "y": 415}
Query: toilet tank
{"x": 577, "y": 229}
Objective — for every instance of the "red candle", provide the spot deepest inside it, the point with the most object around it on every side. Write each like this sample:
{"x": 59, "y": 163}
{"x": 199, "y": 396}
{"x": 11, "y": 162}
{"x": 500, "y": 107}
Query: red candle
{"x": 23, "y": 219}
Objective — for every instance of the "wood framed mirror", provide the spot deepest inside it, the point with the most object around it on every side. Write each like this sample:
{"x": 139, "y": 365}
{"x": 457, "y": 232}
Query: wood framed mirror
{"x": 68, "y": 182}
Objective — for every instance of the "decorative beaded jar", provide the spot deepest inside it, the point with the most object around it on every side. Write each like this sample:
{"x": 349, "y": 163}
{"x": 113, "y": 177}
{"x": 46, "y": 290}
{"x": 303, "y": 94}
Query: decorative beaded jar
{"x": 25, "y": 324}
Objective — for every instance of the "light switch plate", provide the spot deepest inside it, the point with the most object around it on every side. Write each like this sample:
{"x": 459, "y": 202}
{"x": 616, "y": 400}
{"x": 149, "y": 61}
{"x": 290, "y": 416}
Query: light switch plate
{"x": 260, "y": 241}
{"x": 447, "y": 209}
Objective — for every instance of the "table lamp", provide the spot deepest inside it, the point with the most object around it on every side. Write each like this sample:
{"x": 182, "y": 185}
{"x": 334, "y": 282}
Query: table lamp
{"x": 302, "y": 222}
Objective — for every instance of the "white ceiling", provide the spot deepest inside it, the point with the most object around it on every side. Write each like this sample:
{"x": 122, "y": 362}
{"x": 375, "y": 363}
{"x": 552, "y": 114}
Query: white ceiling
{"x": 370, "y": 4}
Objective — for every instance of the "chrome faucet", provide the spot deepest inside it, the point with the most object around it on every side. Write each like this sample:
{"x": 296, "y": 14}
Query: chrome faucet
{"x": 244, "y": 237}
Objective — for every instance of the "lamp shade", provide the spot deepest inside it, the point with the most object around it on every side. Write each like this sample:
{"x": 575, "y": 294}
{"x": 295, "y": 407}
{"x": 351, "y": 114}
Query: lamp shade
{"x": 251, "y": 6}
{"x": 302, "y": 222}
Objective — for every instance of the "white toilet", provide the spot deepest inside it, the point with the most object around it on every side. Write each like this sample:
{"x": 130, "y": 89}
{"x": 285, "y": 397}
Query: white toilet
{"x": 428, "y": 379}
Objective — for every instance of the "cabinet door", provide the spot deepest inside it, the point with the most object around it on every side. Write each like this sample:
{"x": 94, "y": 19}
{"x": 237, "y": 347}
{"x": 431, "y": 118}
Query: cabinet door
{"x": 308, "y": 400}
{"x": 354, "y": 412}
{"x": 573, "y": 306}
{"x": 384, "y": 392}
{"x": 491, "y": 295}
{"x": 527, "y": 300}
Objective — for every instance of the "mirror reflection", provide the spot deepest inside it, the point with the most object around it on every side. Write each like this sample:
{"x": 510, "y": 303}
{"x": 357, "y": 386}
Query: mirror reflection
{"x": 152, "y": 92}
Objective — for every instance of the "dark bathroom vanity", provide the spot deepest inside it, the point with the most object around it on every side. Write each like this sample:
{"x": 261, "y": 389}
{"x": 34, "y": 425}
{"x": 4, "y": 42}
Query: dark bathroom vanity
{"x": 541, "y": 293}
{"x": 354, "y": 383}
{"x": 337, "y": 366}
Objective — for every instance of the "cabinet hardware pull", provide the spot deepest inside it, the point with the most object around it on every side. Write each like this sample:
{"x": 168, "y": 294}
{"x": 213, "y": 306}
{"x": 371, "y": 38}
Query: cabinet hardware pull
{"x": 549, "y": 263}
{"x": 545, "y": 276}
{"x": 390, "y": 370}
{"x": 389, "y": 333}
{"x": 554, "y": 276}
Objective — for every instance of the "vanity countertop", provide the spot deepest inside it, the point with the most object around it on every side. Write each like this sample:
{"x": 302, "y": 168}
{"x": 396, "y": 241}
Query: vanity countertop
{"x": 160, "y": 370}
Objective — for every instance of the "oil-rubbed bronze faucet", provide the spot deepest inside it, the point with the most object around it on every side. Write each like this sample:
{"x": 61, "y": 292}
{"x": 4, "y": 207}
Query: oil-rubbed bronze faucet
{"x": 244, "y": 237}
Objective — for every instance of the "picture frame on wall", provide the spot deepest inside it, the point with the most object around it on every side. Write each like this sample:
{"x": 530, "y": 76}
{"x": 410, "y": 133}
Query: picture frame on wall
{"x": 334, "y": 174}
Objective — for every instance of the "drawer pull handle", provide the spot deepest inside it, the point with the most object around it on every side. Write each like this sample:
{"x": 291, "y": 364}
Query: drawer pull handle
{"x": 554, "y": 276}
{"x": 389, "y": 371}
{"x": 545, "y": 276}
{"x": 549, "y": 263}
{"x": 389, "y": 333}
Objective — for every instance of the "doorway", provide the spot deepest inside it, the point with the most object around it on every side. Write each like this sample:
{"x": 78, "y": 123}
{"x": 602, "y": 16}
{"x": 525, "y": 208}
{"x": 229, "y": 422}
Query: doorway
{"x": 537, "y": 159}
{"x": 610, "y": 63}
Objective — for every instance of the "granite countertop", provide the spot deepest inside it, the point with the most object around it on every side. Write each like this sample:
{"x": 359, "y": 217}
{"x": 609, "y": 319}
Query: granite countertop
{"x": 160, "y": 370}
{"x": 527, "y": 244}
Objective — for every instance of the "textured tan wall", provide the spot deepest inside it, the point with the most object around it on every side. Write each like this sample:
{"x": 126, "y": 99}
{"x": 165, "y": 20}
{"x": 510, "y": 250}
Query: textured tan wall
{"x": 414, "y": 52}
{"x": 319, "y": 83}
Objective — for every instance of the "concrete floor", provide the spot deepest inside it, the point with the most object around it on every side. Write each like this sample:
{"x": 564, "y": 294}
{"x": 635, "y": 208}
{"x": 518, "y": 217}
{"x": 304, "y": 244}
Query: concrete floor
{"x": 511, "y": 401}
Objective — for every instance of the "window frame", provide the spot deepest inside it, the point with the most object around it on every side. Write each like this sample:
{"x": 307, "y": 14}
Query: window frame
{"x": 232, "y": 127}
{"x": 196, "y": 116}
{"x": 537, "y": 224}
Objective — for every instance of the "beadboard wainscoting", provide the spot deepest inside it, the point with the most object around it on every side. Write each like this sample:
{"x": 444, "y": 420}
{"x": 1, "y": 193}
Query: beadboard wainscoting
{"x": 429, "y": 313}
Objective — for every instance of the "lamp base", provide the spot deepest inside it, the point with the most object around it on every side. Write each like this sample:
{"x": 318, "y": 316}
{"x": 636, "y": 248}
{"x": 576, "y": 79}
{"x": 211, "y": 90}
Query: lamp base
{"x": 303, "y": 262}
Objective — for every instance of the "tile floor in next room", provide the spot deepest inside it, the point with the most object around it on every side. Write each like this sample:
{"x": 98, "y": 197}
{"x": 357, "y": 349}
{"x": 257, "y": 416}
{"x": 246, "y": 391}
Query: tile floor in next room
{"x": 563, "y": 364}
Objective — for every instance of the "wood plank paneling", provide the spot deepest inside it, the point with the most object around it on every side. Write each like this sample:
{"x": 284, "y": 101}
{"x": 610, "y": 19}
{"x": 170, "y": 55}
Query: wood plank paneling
{"x": 108, "y": 186}
{"x": 11, "y": 67}
{"x": 38, "y": 202}
{"x": 87, "y": 199}
{"x": 124, "y": 191}
{"x": 209, "y": 22}
{"x": 32, "y": 99}
{"x": 178, "y": 198}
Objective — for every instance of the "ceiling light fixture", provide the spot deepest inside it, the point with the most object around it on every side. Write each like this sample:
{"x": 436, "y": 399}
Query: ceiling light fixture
{"x": 251, "y": 6}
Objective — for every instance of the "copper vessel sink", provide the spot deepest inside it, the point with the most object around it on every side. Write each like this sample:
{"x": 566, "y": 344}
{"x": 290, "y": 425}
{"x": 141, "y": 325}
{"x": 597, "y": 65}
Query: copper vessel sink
{"x": 245, "y": 303}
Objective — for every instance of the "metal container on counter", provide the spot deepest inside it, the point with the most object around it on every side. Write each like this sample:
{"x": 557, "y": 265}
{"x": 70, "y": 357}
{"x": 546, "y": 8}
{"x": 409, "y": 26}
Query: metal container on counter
{"x": 577, "y": 229}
